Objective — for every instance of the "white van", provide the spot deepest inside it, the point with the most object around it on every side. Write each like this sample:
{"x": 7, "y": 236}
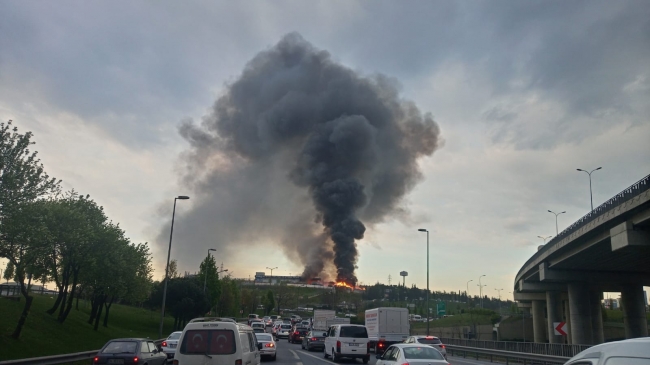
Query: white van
{"x": 210, "y": 341}
{"x": 347, "y": 340}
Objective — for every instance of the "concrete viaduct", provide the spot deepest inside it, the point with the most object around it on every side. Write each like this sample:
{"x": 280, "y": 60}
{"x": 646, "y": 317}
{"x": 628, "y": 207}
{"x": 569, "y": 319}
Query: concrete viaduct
{"x": 607, "y": 250}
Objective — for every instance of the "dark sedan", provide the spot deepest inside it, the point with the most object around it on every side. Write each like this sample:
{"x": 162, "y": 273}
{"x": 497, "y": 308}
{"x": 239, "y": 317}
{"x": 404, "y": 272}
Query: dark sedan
{"x": 130, "y": 351}
{"x": 314, "y": 340}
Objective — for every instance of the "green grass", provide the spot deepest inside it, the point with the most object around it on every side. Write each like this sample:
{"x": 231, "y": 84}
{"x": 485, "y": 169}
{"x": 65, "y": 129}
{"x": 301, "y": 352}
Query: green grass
{"x": 42, "y": 335}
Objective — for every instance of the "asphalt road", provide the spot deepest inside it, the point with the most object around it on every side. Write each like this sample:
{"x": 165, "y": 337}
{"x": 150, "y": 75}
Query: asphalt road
{"x": 292, "y": 354}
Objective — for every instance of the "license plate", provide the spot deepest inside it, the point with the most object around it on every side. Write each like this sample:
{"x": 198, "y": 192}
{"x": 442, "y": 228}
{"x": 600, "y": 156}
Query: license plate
{"x": 353, "y": 344}
{"x": 116, "y": 361}
{"x": 172, "y": 345}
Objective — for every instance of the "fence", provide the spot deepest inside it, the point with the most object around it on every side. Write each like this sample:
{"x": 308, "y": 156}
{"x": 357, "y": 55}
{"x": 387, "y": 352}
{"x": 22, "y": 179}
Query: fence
{"x": 507, "y": 356}
{"x": 552, "y": 349}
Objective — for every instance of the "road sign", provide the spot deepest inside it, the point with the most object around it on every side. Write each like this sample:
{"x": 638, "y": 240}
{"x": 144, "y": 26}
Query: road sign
{"x": 559, "y": 328}
{"x": 442, "y": 309}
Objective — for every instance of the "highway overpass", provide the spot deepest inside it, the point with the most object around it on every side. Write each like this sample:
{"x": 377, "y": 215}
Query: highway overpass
{"x": 607, "y": 250}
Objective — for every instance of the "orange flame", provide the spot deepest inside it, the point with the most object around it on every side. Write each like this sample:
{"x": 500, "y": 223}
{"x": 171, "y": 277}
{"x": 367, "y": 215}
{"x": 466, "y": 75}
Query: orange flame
{"x": 343, "y": 284}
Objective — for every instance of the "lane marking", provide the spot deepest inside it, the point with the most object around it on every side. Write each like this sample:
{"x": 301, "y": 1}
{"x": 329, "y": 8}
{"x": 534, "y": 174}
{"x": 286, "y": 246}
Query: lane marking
{"x": 295, "y": 356}
{"x": 316, "y": 357}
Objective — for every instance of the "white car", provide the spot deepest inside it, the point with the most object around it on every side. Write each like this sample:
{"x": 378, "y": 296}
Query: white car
{"x": 170, "y": 343}
{"x": 635, "y": 351}
{"x": 269, "y": 347}
{"x": 283, "y": 331}
{"x": 404, "y": 353}
{"x": 432, "y": 341}
{"x": 210, "y": 341}
{"x": 348, "y": 340}
{"x": 258, "y": 325}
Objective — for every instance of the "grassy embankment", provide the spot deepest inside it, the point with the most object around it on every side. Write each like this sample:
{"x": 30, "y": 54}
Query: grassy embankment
{"x": 42, "y": 335}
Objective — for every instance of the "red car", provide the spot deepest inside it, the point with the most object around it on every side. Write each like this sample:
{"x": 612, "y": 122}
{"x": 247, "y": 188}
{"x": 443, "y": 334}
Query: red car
{"x": 297, "y": 334}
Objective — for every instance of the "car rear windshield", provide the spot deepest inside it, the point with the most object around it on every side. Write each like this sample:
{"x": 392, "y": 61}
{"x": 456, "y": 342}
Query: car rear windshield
{"x": 429, "y": 341}
{"x": 174, "y": 336}
{"x": 422, "y": 353}
{"x": 264, "y": 337}
{"x": 285, "y": 326}
{"x": 211, "y": 342}
{"x": 354, "y": 332}
{"x": 120, "y": 347}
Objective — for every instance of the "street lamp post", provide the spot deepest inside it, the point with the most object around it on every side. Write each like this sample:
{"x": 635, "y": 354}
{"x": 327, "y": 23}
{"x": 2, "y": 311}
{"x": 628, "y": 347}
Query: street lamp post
{"x": 205, "y": 270}
{"x": 468, "y": 293}
{"x": 591, "y": 199}
{"x": 424, "y": 230}
{"x": 499, "y": 291}
{"x": 556, "y": 214}
{"x": 271, "y": 268}
{"x": 169, "y": 251}
{"x": 481, "y": 288}
{"x": 545, "y": 238}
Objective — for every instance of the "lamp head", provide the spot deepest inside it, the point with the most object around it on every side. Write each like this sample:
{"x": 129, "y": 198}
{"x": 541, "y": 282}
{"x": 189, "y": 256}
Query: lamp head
{"x": 550, "y": 211}
{"x": 422, "y": 230}
{"x": 212, "y": 249}
{"x": 182, "y": 197}
{"x": 580, "y": 169}
{"x": 598, "y": 168}
{"x": 225, "y": 269}
{"x": 563, "y": 212}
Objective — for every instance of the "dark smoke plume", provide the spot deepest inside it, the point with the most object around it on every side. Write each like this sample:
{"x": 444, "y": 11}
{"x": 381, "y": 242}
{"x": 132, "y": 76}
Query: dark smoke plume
{"x": 300, "y": 151}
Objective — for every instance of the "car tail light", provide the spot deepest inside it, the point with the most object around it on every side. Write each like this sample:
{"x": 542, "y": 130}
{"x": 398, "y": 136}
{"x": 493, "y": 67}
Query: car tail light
{"x": 338, "y": 346}
{"x": 269, "y": 345}
{"x": 238, "y": 362}
{"x": 381, "y": 344}
{"x": 135, "y": 360}
{"x": 175, "y": 362}
{"x": 164, "y": 344}
{"x": 442, "y": 346}
{"x": 96, "y": 359}
{"x": 405, "y": 363}
{"x": 314, "y": 339}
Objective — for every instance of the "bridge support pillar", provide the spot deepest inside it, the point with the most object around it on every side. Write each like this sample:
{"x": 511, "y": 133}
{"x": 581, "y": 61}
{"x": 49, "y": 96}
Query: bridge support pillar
{"x": 567, "y": 320}
{"x": 553, "y": 314}
{"x": 538, "y": 321}
{"x": 595, "y": 298}
{"x": 634, "y": 315}
{"x": 580, "y": 314}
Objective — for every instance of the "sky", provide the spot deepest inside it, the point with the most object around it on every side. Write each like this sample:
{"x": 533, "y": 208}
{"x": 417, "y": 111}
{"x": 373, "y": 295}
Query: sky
{"x": 524, "y": 93}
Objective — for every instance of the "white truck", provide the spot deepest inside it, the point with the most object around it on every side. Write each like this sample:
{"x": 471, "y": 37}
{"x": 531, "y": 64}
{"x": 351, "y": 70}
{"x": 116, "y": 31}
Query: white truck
{"x": 321, "y": 316}
{"x": 337, "y": 320}
{"x": 387, "y": 326}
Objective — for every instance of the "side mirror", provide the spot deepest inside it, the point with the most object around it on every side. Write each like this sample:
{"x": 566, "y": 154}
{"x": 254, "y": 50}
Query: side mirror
{"x": 324, "y": 334}
{"x": 378, "y": 356}
{"x": 259, "y": 346}
{"x": 155, "y": 351}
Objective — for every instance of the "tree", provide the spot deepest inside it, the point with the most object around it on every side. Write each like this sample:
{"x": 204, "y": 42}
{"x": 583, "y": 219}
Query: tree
{"x": 269, "y": 302}
{"x": 173, "y": 269}
{"x": 209, "y": 276}
{"x": 23, "y": 182}
{"x": 9, "y": 271}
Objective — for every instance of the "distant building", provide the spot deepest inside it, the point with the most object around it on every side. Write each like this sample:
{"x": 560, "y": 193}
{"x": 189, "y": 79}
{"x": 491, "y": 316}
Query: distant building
{"x": 260, "y": 277}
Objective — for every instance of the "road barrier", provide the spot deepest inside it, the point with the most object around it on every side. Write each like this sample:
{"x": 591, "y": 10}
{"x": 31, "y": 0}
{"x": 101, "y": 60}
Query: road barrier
{"x": 506, "y": 356}
{"x": 59, "y": 359}
{"x": 553, "y": 349}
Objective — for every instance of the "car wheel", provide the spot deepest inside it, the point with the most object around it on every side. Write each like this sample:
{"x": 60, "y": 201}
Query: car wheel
{"x": 325, "y": 355}
{"x": 335, "y": 358}
{"x": 366, "y": 359}
{"x": 274, "y": 357}
{"x": 302, "y": 345}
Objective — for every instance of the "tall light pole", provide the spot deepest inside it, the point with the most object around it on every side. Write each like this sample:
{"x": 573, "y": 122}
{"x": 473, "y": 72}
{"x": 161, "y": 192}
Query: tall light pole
{"x": 169, "y": 251}
{"x": 468, "y": 293}
{"x": 591, "y": 199}
{"x": 481, "y": 288}
{"x": 424, "y": 230}
{"x": 205, "y": 273}
{"x": 545, "y": 238}
{"x": 556, "y": 214}
{"x": 499, "y": 291}
{"x": 271, "y": 268}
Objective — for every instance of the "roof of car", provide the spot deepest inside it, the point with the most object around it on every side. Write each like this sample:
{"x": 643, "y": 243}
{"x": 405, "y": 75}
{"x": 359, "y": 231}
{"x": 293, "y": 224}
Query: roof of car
{"x": 634, "y": 347}
{"x": 424, "y": 336}
{"x": 130, "y": 339}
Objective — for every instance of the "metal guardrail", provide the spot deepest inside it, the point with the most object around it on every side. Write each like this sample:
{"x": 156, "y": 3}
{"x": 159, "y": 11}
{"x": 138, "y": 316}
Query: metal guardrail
{"x": 625, "y": 195}
{"x": 59, "y": 359}
{"x": 553, "y": 349}
{"x": 508, "y": 356}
